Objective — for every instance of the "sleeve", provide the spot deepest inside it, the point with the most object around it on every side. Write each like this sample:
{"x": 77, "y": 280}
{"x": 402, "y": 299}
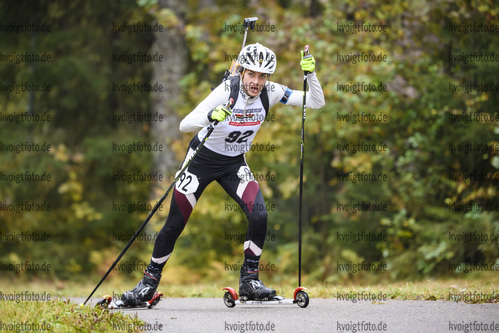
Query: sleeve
{"x": 315, "y": 95}
{"x": 198, "y": 118}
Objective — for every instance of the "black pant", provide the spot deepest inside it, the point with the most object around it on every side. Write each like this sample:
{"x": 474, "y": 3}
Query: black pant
{"x": 234, "y": 175}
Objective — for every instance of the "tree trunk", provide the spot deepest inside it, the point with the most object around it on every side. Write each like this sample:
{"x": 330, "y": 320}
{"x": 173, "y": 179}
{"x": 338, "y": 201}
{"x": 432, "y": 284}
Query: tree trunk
{"x": 170, "y": 43}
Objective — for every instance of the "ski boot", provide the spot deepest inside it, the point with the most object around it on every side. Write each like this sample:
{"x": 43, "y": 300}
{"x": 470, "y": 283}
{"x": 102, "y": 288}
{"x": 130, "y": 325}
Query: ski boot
{"x": 144, "y": 294}
{"x": 250, "y": 286}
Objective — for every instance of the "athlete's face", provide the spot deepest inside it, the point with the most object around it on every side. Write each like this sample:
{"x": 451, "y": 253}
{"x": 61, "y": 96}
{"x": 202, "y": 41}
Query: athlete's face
{"x": 253, "y": 82}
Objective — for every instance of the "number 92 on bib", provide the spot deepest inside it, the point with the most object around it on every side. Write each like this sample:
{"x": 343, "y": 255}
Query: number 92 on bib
{"x": 187, "y": 183}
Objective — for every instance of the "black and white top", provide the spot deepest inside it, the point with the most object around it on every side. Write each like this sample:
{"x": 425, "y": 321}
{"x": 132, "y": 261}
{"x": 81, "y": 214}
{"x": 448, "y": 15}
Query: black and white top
{"x": 235, "y": 134}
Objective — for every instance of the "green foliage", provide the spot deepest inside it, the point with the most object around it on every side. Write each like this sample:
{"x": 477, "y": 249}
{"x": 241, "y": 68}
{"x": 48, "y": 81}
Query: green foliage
{"x": 425, "y": 178}
{"x": 81, "y": 132}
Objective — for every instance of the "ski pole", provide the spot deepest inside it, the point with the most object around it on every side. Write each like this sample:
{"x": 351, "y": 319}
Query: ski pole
{"x": 158, "y": 204}
{"x": 302, "y": 150}
{"x": 249, "y": 22}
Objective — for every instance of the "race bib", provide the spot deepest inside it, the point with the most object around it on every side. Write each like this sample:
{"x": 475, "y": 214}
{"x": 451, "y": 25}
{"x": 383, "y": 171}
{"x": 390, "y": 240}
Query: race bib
{"x": 187, "y": 183}
{"x": 245, "y": 174}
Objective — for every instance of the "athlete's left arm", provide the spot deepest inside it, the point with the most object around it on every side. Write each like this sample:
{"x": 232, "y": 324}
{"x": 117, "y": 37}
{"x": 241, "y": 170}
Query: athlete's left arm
{"x": 314, "y": 98}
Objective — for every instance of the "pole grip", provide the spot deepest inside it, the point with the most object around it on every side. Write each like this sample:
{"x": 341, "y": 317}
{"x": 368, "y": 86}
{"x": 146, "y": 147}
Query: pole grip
{"x": 306, "y": 54}
{"x": 249, "y": 22}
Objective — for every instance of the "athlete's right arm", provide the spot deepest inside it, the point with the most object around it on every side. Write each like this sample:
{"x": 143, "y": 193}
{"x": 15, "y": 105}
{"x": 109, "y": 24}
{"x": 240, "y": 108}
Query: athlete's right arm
{"x": 198, "y": 118}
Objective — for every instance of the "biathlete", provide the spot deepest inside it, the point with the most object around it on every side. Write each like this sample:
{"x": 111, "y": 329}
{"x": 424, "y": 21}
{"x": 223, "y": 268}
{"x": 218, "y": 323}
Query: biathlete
{"x": 222, "y": 159}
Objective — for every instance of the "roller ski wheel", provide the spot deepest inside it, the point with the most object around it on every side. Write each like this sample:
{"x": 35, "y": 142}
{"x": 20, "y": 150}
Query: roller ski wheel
{"x": 301, "y": 298}
{"x": 231, "y": 298}
{"x": 107, "y": 302}
{"x": 104, "y": 302}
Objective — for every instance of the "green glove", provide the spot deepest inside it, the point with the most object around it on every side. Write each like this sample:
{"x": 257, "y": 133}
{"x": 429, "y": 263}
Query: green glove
{"x": 307, "y": 63}
{"x": 219, "y": 113}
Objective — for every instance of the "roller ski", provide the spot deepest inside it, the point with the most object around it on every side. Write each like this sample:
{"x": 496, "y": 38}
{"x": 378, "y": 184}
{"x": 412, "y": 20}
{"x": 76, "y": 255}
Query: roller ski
{"x": 253, "y": 291}
{"x": 144, "y": 295}
{"x": 231, "y": 298}
{"x": 108, "y": 302}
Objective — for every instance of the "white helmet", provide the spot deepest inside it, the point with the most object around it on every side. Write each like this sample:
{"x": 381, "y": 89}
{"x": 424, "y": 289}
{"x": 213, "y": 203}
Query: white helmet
{"x": 258, "y": 58}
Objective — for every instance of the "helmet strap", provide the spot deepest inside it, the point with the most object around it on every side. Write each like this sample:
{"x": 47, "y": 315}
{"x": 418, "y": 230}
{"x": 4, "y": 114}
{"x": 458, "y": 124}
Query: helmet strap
{"x": 242, "y": 75}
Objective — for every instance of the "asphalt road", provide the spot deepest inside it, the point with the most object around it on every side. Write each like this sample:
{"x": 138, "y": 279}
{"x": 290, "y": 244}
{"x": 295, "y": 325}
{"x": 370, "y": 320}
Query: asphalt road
{"x": 322, "y": 315}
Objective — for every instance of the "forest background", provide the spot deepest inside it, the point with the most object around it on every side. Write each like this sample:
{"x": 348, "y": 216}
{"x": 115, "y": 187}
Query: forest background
{"x": 416, "y": 199}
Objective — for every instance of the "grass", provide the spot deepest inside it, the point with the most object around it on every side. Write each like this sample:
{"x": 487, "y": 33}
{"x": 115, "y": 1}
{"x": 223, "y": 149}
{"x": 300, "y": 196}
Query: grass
{"x": 63, "y": 316}
{"x": 442, "y": 289}
{"x": 456, "y": 290}
{"x": 59, "y": 315}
